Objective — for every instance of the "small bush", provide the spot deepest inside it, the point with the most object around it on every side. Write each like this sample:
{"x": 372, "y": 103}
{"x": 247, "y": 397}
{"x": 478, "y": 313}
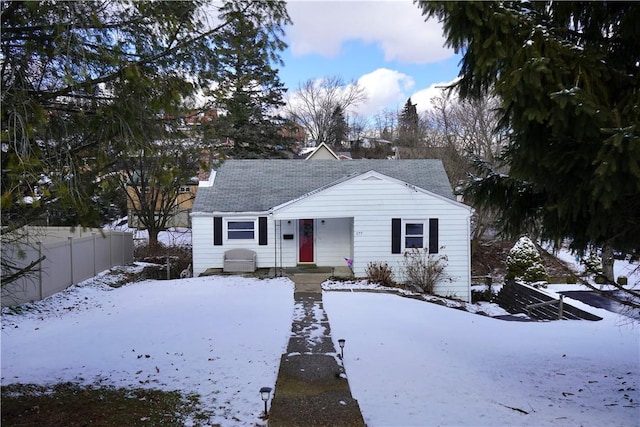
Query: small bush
{"x": 592, "y": 263}
{"x": 600, "y": 279}
{"x": 424, "y": 270}
{"x": 622, "y": 280}
{"x": 482, "y": 295}
{"x": 571, "y": 280}
{"x": 380, "y": 273}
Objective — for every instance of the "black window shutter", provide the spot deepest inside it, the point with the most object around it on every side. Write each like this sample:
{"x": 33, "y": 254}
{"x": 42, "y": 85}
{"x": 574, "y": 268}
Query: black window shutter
{"x": 433, "y": 235}
{"x": 217, "y": 231}
{"x": 262, "y": 230}
{"x": 396, "y": 235}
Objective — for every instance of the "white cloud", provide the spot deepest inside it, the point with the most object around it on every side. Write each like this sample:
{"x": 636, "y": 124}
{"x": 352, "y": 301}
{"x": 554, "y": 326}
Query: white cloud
{"x": 423, "y": 97}
{"x": 384, "y": 88}
{"x": 389, "y": 89}
{"x": 398, "y": 27}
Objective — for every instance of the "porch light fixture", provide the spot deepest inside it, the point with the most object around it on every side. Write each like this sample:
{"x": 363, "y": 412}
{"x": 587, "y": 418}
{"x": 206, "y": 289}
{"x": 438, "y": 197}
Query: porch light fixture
{"x": 265, "y": 394}
{"x": 341, "y": 342}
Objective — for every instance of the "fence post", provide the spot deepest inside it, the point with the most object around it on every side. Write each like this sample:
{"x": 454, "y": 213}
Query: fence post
{"x": 71, "y": 257}
{"x": 40, "y": 269}
{"x": 94, "y": 254}
{"x": 560, "y": 307}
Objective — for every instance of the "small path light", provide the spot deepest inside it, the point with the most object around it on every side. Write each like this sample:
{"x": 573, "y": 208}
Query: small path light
{"x": 265, "y": 394}
{"x": 341, "y": 342}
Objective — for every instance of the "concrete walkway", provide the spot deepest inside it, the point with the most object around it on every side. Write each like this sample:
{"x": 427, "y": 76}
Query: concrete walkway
{"x": 312, "y": 388}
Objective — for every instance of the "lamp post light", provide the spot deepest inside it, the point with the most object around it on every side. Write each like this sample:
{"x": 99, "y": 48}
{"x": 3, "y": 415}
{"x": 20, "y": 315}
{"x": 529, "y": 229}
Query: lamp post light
{"x": 341, "y": 342}
{"x": 265, "y": 393}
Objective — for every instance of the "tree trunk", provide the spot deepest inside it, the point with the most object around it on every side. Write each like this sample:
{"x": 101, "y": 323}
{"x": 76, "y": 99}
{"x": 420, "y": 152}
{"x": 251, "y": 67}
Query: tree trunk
{"x": 153, "y": 239}
{"x": 607, "y": 262}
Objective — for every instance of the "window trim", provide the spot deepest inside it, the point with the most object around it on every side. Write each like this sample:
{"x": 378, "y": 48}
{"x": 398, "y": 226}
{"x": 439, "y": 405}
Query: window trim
{"x": 425, "y": 232}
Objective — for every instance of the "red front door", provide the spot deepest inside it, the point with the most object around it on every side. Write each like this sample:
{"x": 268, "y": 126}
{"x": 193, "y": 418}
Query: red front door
{"x": 305, "y": 239}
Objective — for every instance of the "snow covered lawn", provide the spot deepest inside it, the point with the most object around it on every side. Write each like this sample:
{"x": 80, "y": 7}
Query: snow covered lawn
{"x": 412, "y": 363}
{"x": 221, "y": 338}
{"x": 409, "y": 362}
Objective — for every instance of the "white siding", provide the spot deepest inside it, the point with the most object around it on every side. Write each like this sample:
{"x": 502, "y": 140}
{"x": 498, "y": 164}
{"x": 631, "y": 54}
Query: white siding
{"x": 207, "y": 255}
{"x": 333, "y": 241}
{"x": 204, "y": 253}
{"x": 357, "y": 215}
{"x": 289, "y": 248}
{"x": 373, "y": 202}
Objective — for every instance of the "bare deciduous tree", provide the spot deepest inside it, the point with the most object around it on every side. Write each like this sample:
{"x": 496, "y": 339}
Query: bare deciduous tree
{"x": 467, "y": 130}
{"x": 358, "y": 125}
{"x": 386, "y": 124}
{"x": 316, "y": 99}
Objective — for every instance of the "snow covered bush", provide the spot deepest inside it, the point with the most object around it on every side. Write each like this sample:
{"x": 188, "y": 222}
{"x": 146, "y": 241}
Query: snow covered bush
{"x": 593, "y": 265}
{"x": 524, "y": 262}
{"x": 424, "y": 270}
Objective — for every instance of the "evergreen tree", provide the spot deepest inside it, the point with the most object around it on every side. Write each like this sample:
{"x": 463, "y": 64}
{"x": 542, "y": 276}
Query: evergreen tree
{"x": 567, "y": 75}
{"x": 248, "y": 87}
{"x": 409, "y": 125}
{"x": 338, "y": 130}
{"x": 84, "y": 82}
{"x": 525, "y": 263}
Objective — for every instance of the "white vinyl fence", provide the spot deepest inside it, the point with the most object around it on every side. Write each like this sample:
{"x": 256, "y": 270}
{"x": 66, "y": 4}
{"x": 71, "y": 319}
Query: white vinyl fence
{"x": 70, "y": 258}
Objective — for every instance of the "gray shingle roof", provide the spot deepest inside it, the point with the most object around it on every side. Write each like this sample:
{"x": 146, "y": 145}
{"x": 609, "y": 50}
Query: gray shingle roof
{"x": 258, "y": 185}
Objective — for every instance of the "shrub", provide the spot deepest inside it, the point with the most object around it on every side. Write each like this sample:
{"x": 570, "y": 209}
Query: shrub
{"x": 478, "y": 295}
{"x": 600, "y": 279}
{"x": 380, "y": 273}
{"x": 424, "y": 270}
{"x": 593, "y": 265}
{"x": 622, "y": 280}
{"x": 571, "y": 280}
{"x": 180, "y": 258}
{"x": 524, "y": 262}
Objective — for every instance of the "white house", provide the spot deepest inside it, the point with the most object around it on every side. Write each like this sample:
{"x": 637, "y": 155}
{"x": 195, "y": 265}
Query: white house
{"x": 293, "y": 212}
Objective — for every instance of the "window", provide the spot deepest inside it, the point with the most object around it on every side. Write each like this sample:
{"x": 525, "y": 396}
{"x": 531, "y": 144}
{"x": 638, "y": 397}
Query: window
{"x": 240, "y": 230}
{"x": 413, "y": 235}
{"x": 407, "y": 234}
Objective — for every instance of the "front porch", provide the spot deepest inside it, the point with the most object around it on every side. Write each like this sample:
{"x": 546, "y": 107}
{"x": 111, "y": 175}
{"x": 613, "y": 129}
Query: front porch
{"x": 310, "y": 270}
{"x": 313, "y": 243}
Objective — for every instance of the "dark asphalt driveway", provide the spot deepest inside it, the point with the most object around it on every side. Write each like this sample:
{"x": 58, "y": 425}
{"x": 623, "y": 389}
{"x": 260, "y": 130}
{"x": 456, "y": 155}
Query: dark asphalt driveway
{"x": 594, "y": 299}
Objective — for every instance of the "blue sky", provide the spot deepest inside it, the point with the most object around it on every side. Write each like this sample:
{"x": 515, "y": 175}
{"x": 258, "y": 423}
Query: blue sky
{"x": 384, "y": 45}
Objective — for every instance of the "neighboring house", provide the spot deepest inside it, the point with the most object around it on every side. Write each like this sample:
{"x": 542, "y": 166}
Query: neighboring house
{"x": 180, "y": 217}
{"x": 293, "y": 212}
{"x": 295, "y": 131}
{"x": 322, "y": 152}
